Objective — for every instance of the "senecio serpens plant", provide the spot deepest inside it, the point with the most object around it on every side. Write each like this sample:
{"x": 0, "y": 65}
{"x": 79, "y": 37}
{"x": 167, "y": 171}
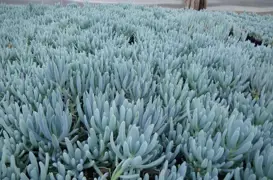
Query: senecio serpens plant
{"x": 132, "y": 92}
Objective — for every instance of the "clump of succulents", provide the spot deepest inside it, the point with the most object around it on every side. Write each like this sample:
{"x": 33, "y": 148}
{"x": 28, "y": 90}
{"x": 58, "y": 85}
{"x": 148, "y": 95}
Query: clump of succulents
{"x": 134, "y": 92}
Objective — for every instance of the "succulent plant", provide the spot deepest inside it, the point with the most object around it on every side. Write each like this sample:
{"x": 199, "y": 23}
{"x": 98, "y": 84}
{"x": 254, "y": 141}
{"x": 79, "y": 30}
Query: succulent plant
{"x": 134, "y": 92}
{"x": 136, "y": 151}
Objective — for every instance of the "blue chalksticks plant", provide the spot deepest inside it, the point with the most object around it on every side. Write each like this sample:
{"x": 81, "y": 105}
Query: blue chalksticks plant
{"x": 136, "y": 151}
{"x": 134, "y": 92}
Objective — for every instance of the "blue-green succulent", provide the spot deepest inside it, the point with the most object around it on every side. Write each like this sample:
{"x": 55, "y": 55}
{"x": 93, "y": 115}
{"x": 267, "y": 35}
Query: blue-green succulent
{"x": 134, "y": 92}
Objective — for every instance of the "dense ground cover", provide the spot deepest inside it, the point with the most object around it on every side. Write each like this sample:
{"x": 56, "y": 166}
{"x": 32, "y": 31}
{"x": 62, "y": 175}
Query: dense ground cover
{"x": 121, "y": 91}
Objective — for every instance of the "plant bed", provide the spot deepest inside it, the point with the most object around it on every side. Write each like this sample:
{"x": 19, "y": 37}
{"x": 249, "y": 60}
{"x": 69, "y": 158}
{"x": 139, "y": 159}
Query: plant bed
{"x": 134, "y": 92}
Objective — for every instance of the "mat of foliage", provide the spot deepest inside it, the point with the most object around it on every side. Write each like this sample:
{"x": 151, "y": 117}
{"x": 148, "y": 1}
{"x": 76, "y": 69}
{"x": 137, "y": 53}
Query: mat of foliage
{"x": 131, "y": 92}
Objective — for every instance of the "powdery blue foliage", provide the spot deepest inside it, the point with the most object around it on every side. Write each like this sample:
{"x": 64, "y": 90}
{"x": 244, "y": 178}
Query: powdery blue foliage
{"x": 131, "y": 92}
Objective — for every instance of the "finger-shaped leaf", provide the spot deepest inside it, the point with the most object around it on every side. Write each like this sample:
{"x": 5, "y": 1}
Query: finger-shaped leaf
{"x": 234, "y": 138}
{"x": 69, "y": 147}
{"x": 126, "y": 150}
{"x": 152, "y": 144}
{"x": 136, "y": 161}
{"x": 142, "y": 149}
{"x": 126, "y": 164}
{"x": 114, "y": 147}
{"x": 152, "y": 164}
{"x": 78, "y": 154}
